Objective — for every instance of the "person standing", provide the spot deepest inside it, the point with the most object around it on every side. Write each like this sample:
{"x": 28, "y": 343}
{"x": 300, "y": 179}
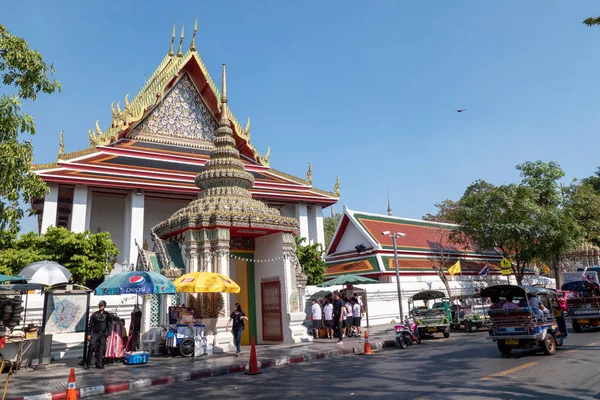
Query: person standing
{"x": 317, "y": 317}
{"x": 338, "y": 315}
{"x": 98, "y": 330}
{"x": 328, "y": 314}
{"x": 349, "y": 320}
{"x": 237, "y": 317}
{"x": 356, "y": 314}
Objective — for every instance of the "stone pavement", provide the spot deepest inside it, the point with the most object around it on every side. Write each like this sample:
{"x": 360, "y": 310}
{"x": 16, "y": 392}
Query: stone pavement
{"x": 51, "y": 383}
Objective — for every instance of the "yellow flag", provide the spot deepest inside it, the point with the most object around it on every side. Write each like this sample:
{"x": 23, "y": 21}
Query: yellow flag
{"x": 455, "y": 269}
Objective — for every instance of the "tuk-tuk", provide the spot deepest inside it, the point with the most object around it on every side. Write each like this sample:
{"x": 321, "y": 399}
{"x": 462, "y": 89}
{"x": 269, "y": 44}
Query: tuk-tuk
{"x": 584, "y": 309}
{"x": 469, "y": 312}
{"x": 521, "y": 326}
{"x": 430, "y": 318}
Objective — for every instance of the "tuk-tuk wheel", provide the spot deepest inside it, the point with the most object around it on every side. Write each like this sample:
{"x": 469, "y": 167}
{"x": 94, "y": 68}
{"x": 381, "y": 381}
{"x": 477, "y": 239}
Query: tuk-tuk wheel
{"x": 576, "y": 326}
{"x": 468, "y": 326}
{"x": 504, "y": 349}
{"x": 447, "y": 333}
{"x": 549, "y": 345}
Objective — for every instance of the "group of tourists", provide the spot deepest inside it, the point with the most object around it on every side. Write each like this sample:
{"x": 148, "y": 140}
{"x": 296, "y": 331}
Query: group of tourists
{"x": 333, "y": 316}
{"x": 534, "y": 303}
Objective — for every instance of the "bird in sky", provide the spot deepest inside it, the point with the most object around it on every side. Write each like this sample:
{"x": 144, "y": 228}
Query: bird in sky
{"x": 464, "y": 109}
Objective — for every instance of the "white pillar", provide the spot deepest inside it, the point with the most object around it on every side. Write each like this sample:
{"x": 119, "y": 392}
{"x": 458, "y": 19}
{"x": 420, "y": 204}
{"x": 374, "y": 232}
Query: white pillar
{"x": 302, "y": 217}
{"x": 134, "y": 225}
{"x": 88, "y": 210}
{"x": 79, "y": 211}
{"x": 50, "y": 208}
{"x": 320, "y": 238}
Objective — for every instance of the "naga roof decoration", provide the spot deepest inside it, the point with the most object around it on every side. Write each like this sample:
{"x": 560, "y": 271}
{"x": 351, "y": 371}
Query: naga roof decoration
{"x": 225, "y": 199}
{"x": 157, "y": 88}
{"x": 422, "y": 245}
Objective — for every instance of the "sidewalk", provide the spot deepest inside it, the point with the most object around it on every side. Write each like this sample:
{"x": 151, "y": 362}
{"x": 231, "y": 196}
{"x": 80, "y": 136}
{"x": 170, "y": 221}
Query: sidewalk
{"x": 51, "y": 383}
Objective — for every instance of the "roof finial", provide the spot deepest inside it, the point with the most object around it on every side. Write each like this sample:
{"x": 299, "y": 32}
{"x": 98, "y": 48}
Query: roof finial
{"x": 179, "y": 53}
{"x": 172, "y": 41}
{"x": 193, "y": 45}
{"x": 389, "y": 210}
{"x": 224, "y": 115}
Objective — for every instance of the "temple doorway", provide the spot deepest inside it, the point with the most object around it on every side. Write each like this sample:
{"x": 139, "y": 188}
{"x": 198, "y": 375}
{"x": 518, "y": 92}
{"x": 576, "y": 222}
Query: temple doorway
{"x": 272, "y": 328}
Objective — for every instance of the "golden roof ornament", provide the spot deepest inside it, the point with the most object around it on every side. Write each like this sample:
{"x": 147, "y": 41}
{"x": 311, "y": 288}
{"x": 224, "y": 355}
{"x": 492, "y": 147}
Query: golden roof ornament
{"x": 309, "y": 174}
{"x": 336, "y": 187}
{"x": 268, "y": 155}
{"x": 172, "y": 41}
{"x": 179, "y": 53}
{"x": 389, "y": 210}
{"x": 61, "y": 144}
{"x": 247, "y": 128}
{"x": 193, "y": 44}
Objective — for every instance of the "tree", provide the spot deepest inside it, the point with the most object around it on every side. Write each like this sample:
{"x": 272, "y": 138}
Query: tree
{"x": 311, "y": 260}
{"x": 83, "y": 254}
{"x": 330, "y": 224}
{"x": 584, "y": 203}
{"x": 592, "y": 21}
{"x": 24, "y": 69}
{"x": 445, "y": 210}
{"x": 440, "y": 259}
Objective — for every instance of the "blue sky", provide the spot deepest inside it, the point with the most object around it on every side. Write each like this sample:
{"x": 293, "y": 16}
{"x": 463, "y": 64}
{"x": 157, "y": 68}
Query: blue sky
{"x": 363, "y": 90}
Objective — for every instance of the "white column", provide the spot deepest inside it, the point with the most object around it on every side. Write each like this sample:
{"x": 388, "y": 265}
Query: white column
{"x": 79, "y": 211}
{"x": 320, "y": 238}
{"x": 302, "y": 217}
{"x": 50, "y": 208}
{"x": 88, "y": 210}
{"x": 134, "y": 225}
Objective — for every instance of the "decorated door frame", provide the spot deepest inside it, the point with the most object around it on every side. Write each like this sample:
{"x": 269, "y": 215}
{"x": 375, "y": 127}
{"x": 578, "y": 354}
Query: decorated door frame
{"x": 272, "y": 324}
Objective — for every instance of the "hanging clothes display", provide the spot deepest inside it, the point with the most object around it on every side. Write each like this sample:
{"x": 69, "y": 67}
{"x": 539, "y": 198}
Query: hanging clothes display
{"x": 114, "y": 342}
{"x": 133, "y": 341}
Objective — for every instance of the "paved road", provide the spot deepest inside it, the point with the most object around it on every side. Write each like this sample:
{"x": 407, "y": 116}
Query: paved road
{"x": 465, "y": 366}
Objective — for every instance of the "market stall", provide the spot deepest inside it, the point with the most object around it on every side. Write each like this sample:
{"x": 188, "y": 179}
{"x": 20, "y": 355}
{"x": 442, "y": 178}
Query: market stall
{"x": 19, "y": 343}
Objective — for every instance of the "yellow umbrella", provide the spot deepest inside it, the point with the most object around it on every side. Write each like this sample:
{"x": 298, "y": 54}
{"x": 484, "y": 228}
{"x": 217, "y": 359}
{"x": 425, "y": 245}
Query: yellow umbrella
{"x": 206, "y": 282}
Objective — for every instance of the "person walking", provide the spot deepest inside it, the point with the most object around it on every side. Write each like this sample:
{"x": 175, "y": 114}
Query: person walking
{"x": 317, "y": 317}
{"x": 328, "y": 313}
{"x": 237, "y": 317}
{"x": 98, "y": 329}
{"x": 338, "y": 315}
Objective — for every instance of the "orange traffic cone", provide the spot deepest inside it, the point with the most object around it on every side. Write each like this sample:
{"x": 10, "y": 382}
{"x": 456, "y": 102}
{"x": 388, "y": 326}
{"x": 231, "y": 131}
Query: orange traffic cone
{"x": 253, "y": 367}
{"x": 367, "y": 349}
{"x": 71, "y": 388}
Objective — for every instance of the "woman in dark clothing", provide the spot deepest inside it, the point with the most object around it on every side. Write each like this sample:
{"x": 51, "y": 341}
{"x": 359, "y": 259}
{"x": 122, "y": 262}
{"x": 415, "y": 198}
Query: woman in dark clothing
{"x": 237, "y": 317}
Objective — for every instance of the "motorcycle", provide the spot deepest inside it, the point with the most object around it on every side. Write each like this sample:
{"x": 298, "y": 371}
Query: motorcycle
{"x": 406, "y": 333}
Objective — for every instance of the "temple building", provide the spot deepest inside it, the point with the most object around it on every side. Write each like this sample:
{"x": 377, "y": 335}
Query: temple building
{"x": 359, "y": 247}
{"x": 176, "y": 168}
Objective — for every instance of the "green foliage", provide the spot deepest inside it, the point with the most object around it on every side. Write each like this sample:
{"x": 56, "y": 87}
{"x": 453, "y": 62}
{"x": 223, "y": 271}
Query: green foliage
{"x": 330, "y": 224}
{"x": 527, "y": 222}
{"x": 444, "y": 214}
{"x": 311, "y": 259}
{"x": 584, "y": 204}
{"x": 83, "y": 254}
{"x": 25, "y": 70}
{"x": 591, "y": 21}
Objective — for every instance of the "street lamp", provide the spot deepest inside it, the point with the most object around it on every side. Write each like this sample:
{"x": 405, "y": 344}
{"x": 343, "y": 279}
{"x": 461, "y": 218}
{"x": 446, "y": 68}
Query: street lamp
{"x": 394, "y": 236}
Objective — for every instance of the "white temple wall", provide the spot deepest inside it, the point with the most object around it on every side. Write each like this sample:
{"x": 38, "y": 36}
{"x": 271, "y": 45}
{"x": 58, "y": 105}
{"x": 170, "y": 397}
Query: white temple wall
{"x": 288, "y": 210}
{"x": 156, "y": 211}
{"x": 351, "y": 238}
{"x": 108, "y": 215}
{"x": 382, "y": 298}
{"x": 271, "y": 247}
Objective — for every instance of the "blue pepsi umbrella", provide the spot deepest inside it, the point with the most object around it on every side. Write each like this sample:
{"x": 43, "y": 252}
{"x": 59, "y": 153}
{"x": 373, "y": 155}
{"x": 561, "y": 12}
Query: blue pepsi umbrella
{"x": 136, "y": 282}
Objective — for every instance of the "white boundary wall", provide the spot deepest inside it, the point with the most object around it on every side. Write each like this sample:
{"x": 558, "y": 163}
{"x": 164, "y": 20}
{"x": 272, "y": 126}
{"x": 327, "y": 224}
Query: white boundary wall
{"x": 382, "y": 298}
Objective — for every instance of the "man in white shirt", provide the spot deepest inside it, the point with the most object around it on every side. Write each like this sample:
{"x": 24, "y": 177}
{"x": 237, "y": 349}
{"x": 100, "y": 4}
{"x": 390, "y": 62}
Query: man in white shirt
{"x": 356, "y": 313}
{"x": 317, "y": 317}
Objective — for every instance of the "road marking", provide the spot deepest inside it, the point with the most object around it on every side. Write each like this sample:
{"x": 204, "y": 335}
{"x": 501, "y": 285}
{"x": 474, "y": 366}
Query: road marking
{"x": 508, "y": 371}
{"x": 573, "y": 350}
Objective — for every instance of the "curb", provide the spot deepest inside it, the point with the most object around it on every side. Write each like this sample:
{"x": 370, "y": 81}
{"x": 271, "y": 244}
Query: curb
{"x": 124, "y": 386}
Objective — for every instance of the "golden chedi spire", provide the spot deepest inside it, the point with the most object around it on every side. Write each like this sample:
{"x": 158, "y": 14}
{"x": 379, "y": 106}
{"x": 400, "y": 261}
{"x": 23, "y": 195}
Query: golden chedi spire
{"x": 225, "y": 199}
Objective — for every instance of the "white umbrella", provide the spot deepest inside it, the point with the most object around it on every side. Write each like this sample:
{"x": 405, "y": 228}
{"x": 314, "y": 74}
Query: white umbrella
{"x": 46, "y": 273}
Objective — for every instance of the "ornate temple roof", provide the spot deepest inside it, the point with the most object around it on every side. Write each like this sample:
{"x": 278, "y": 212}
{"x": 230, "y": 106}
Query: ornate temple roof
{"x": 423, "y": 242}
{"x": 163, "y": 137}
{"x": 225, "y": 199}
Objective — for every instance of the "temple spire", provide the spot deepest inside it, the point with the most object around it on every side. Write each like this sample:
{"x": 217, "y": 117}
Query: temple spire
{"x": 224, "y": 111}
{"x": 172, "y": 42}
{"x": 193, "y": 44}
{"x": 179, "y": 53}
{"x": 389, "y": 210}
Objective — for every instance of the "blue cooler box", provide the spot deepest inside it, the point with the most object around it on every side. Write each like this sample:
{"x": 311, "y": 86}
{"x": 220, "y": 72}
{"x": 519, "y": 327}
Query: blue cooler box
{"x": 137, "y": 357}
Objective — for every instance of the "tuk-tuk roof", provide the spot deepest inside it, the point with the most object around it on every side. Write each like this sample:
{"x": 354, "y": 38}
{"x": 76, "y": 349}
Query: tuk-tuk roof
{"x": 514, "y": 290}
{"x": 467, "y": 296}
{"x": 429, "y": 295}
{"x": 578, "y": 286}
